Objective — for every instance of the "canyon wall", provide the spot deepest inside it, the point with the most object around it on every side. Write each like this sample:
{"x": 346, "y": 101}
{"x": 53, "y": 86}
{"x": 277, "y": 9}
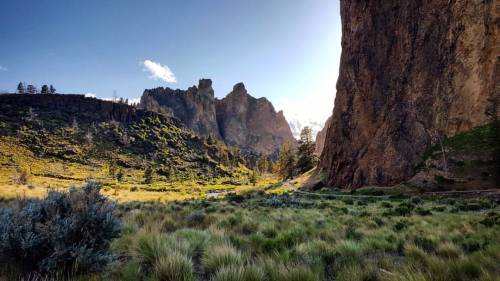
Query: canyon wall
{"x": 252, "y": 123}
{"x": 238, "y": 119}
{"x": 411, "y": 72}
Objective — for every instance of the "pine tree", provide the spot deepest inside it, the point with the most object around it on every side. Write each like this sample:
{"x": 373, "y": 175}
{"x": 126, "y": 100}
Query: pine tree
{"x": 286, "y": 162}
{"x": 262, "y": 165}
{"x": 45, "y": 89}
{"x": 306, "y": 158}
{"x": 30, "y": 89}
{"x": 20, "y": 88}
{"x": 119, "y": 175}
{"x": 148, "y": 175}
{"x": 253, "y": 177}
{"x": 52, "y": 90}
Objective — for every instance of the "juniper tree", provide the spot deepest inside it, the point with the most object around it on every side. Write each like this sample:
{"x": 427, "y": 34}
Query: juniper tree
{"x": 306, "y": 159}
{"x": 45, "y": 89}
{"x": 20, "y": 88}
{"x": 30, "y": 89}
{"x": 286, "y": 162}
{"x": 148, "y": 175}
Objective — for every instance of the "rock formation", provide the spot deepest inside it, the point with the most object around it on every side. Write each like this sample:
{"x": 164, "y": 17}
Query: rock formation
{"x": 321, "y": 136}
{"x": 195, "y": 107}
{"x": 239, "y": 119}
{"x": 411, "y": 72}
{"x": 252, "y": 123}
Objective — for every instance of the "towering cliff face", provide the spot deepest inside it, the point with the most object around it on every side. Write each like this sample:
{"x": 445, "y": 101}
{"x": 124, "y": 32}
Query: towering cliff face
{"x": 321, "y": 137}
{"x": 252, "y": 123}
{"x": 411, "y": 72}
{"x": 194, "y": 107}
{"x": 239, "y": 119}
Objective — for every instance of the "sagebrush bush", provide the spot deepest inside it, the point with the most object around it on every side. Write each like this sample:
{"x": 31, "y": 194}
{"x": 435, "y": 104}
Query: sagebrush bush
{"x": 66, "y": 231}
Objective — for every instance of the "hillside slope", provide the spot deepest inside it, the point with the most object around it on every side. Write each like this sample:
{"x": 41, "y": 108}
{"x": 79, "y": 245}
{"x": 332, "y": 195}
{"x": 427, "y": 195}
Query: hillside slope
{"x": 92, "y": 132}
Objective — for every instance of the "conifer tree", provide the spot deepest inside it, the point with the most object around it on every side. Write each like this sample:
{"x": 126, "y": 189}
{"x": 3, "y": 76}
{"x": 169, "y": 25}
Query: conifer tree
{"x": 52, "y": 90}
{"x": 45, "y": 89}
{"x": 286, "y": 162}
{"x": 306, "y": 158}
{"x": 20, "y": 88}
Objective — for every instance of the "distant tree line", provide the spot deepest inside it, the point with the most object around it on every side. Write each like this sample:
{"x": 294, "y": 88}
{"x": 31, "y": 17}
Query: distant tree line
{"x": 31, "y": 89}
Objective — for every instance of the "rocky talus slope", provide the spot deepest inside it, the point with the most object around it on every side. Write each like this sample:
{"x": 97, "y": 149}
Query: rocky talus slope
{"x": 411, "y": 73}
{"x": 239, "y": 119}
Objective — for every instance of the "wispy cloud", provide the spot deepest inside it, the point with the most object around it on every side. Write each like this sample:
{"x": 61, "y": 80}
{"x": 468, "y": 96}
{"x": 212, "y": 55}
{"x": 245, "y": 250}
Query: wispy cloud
{"x": 158, "y": 71}
{"x": 2, "y": 68}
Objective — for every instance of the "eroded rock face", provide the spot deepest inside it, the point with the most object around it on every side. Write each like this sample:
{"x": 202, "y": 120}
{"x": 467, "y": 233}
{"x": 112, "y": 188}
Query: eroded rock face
{"x": 239, "y": 119}
{"x": 321, "y": 136}
{"x": 252, "y": 123}
{"x": 411, "y": 71}
{"x": 195, "y": 107}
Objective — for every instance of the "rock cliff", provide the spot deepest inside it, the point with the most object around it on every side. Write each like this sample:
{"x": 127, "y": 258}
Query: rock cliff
{"x": 195, "y": 107}
{"x": 239, "y": 119}
{"x": 252, "y": 123}
{"x": 411, "y": 73}
{"x": 321, "y": 136}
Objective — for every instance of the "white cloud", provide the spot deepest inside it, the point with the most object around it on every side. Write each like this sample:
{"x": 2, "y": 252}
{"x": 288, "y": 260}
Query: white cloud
{"x": 158, "y": 71}
{"x": 90, "y": 95}
{"x": 2, "y": 68}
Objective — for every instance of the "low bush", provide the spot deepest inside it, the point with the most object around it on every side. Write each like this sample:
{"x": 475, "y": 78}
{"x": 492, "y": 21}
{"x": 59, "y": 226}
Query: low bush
{"x": 65, "y": 232}
{"x": 195, "y": 218}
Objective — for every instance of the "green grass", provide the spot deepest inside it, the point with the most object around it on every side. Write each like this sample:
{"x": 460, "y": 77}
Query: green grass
{"x": 308, "y": 238}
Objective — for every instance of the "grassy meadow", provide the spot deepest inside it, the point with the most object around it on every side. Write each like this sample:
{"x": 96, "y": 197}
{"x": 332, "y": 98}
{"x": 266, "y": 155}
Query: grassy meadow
{"x": 267, "y": 235}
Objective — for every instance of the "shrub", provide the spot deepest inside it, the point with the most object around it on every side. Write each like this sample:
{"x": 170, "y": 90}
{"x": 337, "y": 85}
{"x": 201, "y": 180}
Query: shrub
{"x": 65, "y": 231}
{"x": 195, "y": 218}
{"x": 174, "y": 267}
{"x": 401, "y": 225}
{"x": 22, "y": 177}
{"x": 423, "y": 212}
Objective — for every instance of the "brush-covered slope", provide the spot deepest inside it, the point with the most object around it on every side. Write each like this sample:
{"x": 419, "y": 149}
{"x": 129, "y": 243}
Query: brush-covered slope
{"x": 80, "y": 130}
{"x": 411, "y": 73}
{"x": 469, "y": 160}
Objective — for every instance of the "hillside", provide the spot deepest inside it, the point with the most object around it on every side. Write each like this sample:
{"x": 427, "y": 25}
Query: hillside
{"x": 411, "y": 73}
{"x": 74, "y": 138}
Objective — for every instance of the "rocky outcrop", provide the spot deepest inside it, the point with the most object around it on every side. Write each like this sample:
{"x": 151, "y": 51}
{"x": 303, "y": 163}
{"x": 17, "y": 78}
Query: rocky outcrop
{"x": 321, "y": 136}
{"x": 411, "y": 72}
{"x": 195, "y": 107}
{"x": 252, "y": 123}
{"x": 88, "y": 109}
{"x": 239, "y": 119}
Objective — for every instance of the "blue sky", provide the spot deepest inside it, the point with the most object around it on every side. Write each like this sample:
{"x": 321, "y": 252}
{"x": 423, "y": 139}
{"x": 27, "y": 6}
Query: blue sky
{"x": 285, "y": 50}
